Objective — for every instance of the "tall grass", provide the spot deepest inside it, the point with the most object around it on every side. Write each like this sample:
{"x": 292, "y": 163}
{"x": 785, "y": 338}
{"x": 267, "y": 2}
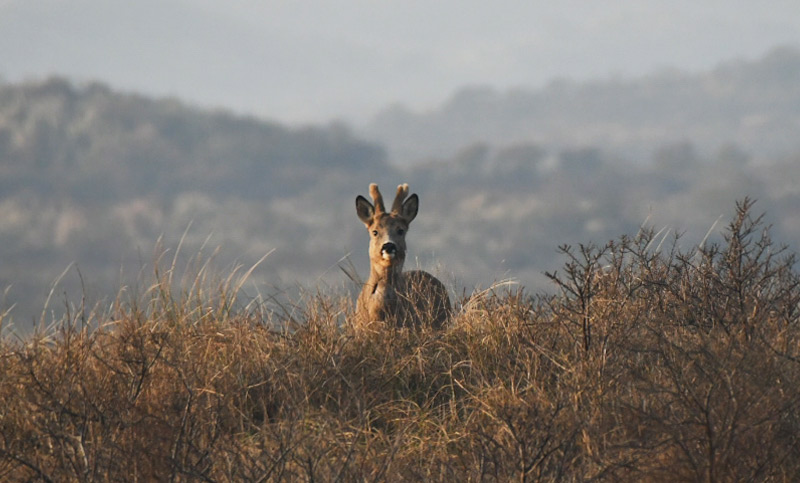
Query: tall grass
{"x": 648, "y": 364}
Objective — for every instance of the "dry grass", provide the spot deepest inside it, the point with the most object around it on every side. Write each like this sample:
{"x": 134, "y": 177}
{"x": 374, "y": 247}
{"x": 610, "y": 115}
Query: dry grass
{"x": 648, "y": 365}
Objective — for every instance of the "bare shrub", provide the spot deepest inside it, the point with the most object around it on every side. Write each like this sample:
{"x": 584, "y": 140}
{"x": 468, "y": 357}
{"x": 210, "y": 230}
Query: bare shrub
{"x": 650, "y": 364}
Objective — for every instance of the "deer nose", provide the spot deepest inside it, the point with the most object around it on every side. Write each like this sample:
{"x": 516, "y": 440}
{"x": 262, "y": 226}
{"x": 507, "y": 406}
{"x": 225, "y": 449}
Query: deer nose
{"x": 389, "y": 250}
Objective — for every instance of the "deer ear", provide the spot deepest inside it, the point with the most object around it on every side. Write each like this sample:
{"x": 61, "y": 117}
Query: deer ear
{"x": 410, "y": 208}
{"x": 364, "y": 210}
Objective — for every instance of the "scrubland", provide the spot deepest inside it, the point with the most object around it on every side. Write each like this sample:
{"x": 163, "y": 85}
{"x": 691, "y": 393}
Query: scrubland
{"x": 646, "y": 363}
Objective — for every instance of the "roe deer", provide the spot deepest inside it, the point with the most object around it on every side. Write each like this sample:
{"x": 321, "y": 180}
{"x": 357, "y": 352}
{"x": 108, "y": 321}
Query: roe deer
{"x": 390, "y": 295}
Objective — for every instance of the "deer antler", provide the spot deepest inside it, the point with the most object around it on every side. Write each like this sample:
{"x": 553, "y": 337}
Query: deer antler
{"x": 377, "y": 198}
{"x": 402, "y": 192}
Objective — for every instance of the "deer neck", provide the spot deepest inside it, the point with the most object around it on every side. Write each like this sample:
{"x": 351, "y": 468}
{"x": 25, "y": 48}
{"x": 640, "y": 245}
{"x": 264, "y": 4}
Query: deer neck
{"x": 385, "y": 276}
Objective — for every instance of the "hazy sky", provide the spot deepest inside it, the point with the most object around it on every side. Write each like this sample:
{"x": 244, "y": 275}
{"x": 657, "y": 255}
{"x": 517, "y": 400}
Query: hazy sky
{"x": 302, "y": 61}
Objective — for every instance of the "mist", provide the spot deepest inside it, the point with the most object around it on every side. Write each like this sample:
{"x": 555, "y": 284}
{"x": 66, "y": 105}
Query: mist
{"x": 130, "y": 132}
{"x": 304, "y": 62}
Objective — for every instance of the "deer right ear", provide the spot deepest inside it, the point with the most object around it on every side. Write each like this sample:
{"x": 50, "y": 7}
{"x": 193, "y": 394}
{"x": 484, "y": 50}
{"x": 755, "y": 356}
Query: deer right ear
{"x": 410, "y": 208}
{"x": 365, "y": 210}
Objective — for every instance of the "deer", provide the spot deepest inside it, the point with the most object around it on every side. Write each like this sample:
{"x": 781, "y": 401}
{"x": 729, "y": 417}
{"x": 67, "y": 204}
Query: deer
{"x": 401, "y": 299}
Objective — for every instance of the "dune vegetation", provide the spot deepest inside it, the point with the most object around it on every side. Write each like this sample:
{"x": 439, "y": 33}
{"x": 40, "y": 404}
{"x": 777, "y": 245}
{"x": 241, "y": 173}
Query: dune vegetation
{"x": 646, "y": 363}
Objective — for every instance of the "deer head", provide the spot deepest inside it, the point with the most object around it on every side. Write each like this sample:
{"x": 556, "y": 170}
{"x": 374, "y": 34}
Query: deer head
{"x": 387, "y": 245}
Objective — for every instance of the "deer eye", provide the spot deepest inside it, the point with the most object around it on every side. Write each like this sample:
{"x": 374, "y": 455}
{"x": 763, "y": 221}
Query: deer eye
{"x": 400, "y": 231}
{"x": 374, "y": 232}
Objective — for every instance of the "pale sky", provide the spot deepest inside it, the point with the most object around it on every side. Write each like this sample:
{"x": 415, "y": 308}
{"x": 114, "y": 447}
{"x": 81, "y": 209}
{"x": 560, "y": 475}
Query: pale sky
{"x": 309, "y": 62}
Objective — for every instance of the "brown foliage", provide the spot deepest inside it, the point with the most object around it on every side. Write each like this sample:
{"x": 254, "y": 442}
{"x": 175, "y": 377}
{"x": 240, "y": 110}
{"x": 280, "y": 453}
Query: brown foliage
{"x": 648, "y": 365}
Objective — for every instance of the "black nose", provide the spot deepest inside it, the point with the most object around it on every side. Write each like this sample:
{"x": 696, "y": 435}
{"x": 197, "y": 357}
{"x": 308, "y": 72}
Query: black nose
{"x": 389, "y": 248}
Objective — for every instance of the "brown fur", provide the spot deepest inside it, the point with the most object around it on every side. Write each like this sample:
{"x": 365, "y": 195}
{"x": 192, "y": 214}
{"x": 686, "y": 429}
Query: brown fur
{"x": 391, "y": 295}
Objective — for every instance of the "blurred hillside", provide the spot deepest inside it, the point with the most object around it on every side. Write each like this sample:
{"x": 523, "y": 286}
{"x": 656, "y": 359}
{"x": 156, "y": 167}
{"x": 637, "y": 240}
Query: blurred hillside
{"x": 754, "y": 104}
{"x": 94, "y": 177}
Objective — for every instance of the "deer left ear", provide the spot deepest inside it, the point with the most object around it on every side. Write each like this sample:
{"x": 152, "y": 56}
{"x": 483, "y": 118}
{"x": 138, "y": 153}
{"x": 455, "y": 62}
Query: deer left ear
{"x": 410, "y": 208}
{"x": 364, "y": 210}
